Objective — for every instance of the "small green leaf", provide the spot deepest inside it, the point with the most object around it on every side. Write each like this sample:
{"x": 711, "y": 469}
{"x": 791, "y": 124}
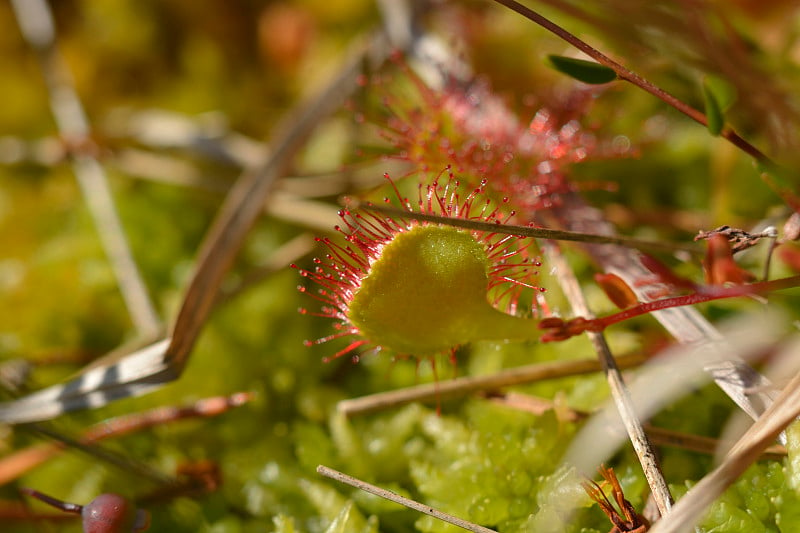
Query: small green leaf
{"x": 718, "y": 95}
{"x": 723, "y": 91}
{"x": 714, "y": 118}
{"x": 585, "y": 71}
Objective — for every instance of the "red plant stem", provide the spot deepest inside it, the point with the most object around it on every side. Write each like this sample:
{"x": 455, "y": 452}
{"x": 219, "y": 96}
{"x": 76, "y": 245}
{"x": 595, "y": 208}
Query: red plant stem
{"x": 706, "y": 294}
{"x": 55, "y": 502}
{"x": 625, "y": 74}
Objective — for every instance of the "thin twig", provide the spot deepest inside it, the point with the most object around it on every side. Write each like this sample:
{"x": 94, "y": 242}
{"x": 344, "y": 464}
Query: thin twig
{"x": 619, "y": 392}
{"x": 396, "y": 498}
{"x": 36, "y": 22}
{"x": 701, "y": 444}
{"x": 466, "y": 385}
{"x": 536, "y": 232}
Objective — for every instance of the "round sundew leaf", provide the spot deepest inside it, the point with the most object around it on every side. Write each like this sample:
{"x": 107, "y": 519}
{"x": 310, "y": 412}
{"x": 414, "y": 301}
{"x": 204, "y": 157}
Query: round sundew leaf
{"x": 421, "y": 291}
{"x": 585, "y": 71}
{"x": 426, "y": 294}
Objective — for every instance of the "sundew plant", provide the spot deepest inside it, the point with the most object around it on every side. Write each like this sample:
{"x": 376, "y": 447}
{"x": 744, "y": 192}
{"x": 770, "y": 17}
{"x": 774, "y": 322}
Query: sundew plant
{"x": 372, "y": 266}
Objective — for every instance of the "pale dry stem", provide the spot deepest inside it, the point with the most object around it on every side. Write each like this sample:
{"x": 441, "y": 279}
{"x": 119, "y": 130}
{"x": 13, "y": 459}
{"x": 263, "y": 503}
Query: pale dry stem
{"x": 434, "y": 392}
{"x": 638, "y": 437}
{"x": 396, "y": 498}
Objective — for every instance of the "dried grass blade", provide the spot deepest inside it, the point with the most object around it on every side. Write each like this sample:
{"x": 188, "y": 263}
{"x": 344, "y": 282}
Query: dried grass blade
{"x": 784, "y": 410}
{"x": 466, "y": 385}
{"x": 396, "y": 498}
{"x": 137, "y": 373}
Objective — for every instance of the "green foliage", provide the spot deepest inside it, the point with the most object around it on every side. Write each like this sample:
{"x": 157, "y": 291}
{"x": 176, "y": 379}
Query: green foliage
{"x": 761, "y": 500}
{"x": 718, "y": 96}
{"x": 586, "y": 71}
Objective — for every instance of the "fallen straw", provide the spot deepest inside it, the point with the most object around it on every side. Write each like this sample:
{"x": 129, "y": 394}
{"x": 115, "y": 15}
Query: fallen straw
{"x": 462, "y": 386}
{"x": 396, "y": 498}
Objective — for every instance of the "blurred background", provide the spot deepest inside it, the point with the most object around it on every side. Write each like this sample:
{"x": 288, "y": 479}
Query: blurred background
{"x": 183, "y": 97}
